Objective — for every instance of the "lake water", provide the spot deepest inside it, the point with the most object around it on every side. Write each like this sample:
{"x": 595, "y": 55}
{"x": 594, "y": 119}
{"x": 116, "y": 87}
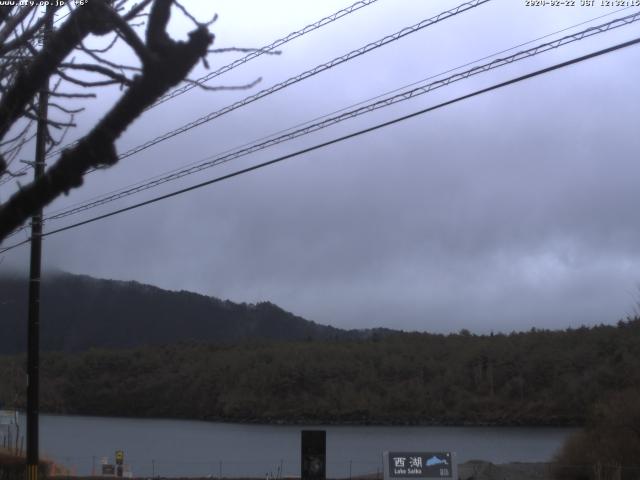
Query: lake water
{"x": 195, "y": 448}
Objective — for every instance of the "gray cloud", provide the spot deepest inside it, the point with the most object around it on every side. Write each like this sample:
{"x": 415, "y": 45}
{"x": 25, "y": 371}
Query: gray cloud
{"x": 511, "y": 210}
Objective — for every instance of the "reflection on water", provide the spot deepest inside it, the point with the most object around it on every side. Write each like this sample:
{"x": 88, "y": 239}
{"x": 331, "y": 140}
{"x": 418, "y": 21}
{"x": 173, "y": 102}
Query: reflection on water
{"x": 194, "y": 448}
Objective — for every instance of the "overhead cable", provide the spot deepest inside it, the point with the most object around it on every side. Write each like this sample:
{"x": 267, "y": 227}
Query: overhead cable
{"x": 236, "y": 63}
{"x": 343, "y": 109}
{"x": 326, "y": 122}
{"x": 302, "y": 76}
{"x": 512, "y": 81}
{"x": 307, "y": 74}
{"x": 268, "y": 48}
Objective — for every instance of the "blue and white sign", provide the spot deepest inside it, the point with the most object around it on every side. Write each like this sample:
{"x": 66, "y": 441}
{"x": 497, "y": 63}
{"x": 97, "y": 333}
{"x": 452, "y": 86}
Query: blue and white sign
{"x": 420, "y": 465}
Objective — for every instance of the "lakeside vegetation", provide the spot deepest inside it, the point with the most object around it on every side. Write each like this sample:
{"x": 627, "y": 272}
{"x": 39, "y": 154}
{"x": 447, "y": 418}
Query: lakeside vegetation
{"x": 609, "y": 445}
{"x": 530, "y": 378}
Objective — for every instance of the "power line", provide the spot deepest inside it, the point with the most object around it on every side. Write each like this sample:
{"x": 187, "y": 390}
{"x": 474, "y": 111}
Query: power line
{"x": 308, "y": 122}
{"x": 272, "y": 46}
{"x": 400, "y": 97}
{"x": 18, "y": 173}
{"x": 303, "y": 76}
{"x": 307, "y": 74}
{"x": 236, "y": 63}
{"x": 497, "y": 86}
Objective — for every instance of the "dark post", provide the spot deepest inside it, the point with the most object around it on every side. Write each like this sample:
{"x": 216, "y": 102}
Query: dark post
{"x": 119, "y": 462}
{"x": 314, "y": 454}
{"x": 33, "y": 331}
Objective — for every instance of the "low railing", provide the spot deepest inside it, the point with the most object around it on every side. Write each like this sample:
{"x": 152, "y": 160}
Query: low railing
{"x": 86, "y": 468}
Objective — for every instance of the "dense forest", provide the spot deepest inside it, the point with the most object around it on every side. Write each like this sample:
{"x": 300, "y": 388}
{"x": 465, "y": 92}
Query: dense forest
{"x": 79, "y": 312}
{"x": 532, "y": 378}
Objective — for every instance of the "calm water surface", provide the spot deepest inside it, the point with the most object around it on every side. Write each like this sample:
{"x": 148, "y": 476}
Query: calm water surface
{"x": 195, "y": 448}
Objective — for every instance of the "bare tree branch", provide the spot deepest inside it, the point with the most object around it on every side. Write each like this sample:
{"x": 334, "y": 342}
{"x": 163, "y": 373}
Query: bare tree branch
{"x": 16, "y": 174}
{"x": 54, "y": 142}
{"x": 105, "y": 49}
{"x": 104, "y": 61}
{"x": 217, "y": 88}
{"x": 186, "y": 13}
{"x": 71, "y": 95}
{"x": 28, "y": 34}
{"x": 64, "y": 109}
{"x": 90, "y": 67}
{"x": 81, "y": 22}
{"x": 136, "y": 10}
{"x": 245, "y": 50}
{"x": 13, "y": 22}
{"x": 89, "y": 83}
{"x": 129, "y": 35}
{"x": 157, "y": 37}
{"x": 49, "y": 121}
{"x": 169, "y": 63}
{"x": 16, "y": 137}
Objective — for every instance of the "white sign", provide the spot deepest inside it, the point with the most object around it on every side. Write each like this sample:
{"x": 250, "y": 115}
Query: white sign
{"x": 420, "y": 465}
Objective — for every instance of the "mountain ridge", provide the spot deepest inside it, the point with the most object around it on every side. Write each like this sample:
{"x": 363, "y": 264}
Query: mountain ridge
{"x": 80, "y": 312}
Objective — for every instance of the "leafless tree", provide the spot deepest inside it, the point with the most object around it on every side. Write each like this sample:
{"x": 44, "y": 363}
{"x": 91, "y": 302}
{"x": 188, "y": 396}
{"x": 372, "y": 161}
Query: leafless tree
{"x": 28, "y": 64}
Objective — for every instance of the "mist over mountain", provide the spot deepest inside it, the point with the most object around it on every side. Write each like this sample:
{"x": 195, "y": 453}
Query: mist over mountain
{"x": 79, "y": 312}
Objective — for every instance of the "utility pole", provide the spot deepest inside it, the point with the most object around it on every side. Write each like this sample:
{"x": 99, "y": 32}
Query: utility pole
{"x": 33, "y": 341}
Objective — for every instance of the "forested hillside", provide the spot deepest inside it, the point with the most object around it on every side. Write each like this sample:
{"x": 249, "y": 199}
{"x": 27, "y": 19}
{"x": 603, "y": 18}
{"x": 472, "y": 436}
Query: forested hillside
{"x": 79, "y": 312}
{"x": 532, "y": 378}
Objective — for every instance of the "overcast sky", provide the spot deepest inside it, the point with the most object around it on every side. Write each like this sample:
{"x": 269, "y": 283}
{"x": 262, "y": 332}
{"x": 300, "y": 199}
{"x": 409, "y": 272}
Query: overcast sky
{"x": 511, "y": 210}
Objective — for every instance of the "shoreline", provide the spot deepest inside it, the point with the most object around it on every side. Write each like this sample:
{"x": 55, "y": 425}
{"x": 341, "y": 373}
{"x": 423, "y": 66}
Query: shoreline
{"x": 302, "y": 421}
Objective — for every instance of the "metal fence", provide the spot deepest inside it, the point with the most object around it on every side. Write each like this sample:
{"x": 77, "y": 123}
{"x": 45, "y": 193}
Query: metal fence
{"x": 271, "y": 469}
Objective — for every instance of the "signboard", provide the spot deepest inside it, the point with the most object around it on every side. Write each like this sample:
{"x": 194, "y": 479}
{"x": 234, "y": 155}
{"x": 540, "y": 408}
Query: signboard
{"x": 119, "y": 457}
{"x": 438, "y": 465}
{"x": 108, "y": 469}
